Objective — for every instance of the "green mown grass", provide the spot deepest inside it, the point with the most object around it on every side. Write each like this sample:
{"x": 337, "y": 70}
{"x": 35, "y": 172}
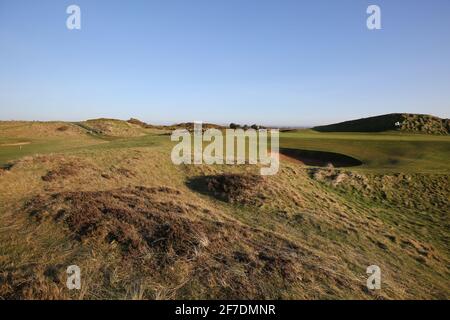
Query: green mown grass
{"x": 41, "y": 146}
{"x": 379, "y": 152}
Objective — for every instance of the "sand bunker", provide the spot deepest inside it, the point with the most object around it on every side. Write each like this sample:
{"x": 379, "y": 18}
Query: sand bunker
{"x": 320, "y": 158}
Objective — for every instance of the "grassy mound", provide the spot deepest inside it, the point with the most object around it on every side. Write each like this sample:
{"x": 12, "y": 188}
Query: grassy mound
{"x": 161, "y": 235}
{"x": 38, "y": 129}
{"x": 419, "y": 123}
{"x": 113, "y": 127}
{"x": 232, "y": 188}
{"x": 185, "y": 125}
{"x": 133, "y": 217}
{"x": 140, "y": 123}
{"x": 397, "y": 190}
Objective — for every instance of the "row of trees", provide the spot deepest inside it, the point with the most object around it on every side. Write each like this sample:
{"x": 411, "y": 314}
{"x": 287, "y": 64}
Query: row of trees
{"x": 245, "y": 127}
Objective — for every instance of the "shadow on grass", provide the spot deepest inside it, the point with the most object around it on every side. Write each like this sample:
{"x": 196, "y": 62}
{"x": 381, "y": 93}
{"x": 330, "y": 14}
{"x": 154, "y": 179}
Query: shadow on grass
{"x": 7, "y": 166}
{"x": 199, "y": 184}
{"x": 321, "y": 158}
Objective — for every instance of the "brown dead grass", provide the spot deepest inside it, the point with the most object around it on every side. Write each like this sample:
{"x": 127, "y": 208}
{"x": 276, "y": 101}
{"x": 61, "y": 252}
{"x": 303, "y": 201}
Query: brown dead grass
{"x": 63, "y": 171}
{"x": 232, "y": 188}
{"x": 132, "y": 217}
{"x": 158, "y": 232}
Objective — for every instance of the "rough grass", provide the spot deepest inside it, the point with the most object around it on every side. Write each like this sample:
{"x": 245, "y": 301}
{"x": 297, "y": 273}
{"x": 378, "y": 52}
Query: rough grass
{"x": 157, "y": 231}
{"x": 141, "y": 228}
{"x": 232, "y": 188}
{"x": 399, "y": 190}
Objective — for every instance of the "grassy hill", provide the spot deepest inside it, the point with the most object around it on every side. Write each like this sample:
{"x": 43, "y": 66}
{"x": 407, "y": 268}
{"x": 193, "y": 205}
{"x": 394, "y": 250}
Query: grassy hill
{"x": 405, "y": 122}
{"x": 140, "y": 227}
{"x": 186, "y": 125}
{"x": 112, "y": 127}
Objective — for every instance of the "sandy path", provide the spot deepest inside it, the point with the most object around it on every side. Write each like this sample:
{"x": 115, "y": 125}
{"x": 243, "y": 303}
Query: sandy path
{"x": 14, "y": 144}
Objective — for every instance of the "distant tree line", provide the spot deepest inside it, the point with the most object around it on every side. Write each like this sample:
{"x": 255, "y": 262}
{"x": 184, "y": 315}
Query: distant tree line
{"x": 245, "y": 127}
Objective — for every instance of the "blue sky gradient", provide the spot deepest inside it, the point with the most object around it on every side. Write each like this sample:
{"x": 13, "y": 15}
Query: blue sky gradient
{"x": 272, "y": 62}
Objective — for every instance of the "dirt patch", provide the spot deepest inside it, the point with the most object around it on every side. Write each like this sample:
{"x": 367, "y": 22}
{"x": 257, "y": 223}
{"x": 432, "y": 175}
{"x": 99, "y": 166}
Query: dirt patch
{"x": 321, "y": 158}
{"x": 232, "y": 188}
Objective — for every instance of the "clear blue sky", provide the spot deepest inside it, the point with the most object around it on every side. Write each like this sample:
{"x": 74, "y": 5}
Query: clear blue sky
{"x": 273, "y": 62}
